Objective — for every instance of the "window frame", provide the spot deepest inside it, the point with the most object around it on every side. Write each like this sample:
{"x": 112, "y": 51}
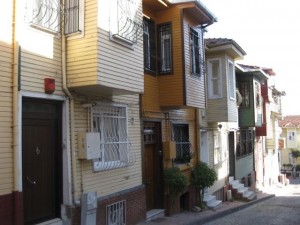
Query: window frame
{"x": 80, "y": 25}
{"x": 183, "y": 142}
{"x": 162, "y": 70}
{"x": 195, "y": 60}
{"x": 211, "y": 79}
{"x": 245, "y": 143}
{"x": 102, "y": 112}
{"x": 231, "y": 80}
{"x": 217, "y": 148}
{"x": 149, "y": 38}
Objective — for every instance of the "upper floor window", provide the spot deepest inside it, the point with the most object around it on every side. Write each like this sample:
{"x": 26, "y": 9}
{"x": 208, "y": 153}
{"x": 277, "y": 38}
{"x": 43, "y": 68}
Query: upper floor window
{"x": 44, "y": 14}
{"x": 231, "y": 80}
{"x": 214, "y": 78}
{"x": 111, "y": 123}
{"x": 149, "y": 45}
{"x": 245, "y": 93}
{"x": 125, "y": 24}
{"x": 165, "y": 48}
{"x": 74, "y": 16}
{"x": 195, "y": 52}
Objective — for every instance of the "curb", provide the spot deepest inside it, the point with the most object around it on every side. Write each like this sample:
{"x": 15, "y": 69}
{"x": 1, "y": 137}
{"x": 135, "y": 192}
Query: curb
{"x": 228, "y": 211}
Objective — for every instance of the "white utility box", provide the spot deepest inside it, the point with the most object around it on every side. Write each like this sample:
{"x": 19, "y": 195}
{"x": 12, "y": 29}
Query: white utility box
{"x": 88, "y": 145}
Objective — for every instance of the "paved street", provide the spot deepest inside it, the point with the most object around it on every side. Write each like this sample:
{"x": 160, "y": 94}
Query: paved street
{"x": 284, "y": 208}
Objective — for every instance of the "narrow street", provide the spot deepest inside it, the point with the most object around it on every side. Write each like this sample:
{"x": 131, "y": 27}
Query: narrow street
{"x": 282, "y": 209}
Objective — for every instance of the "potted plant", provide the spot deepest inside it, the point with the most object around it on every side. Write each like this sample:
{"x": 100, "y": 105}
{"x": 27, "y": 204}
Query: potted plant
{"x": 175, "y": 181}
{"x": 202, "y": 177}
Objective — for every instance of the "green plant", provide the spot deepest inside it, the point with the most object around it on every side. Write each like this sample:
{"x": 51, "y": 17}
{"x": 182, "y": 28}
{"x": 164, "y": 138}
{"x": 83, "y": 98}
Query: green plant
{"x": 295, "y": 154}
{"x": 202, "y": 177}
{"x": 175, "y": 181}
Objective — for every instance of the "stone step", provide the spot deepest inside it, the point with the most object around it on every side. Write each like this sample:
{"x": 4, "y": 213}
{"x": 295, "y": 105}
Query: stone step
{"x": 207, "y": 198}
{"x": 52, "y": 222}
{"x": 216, "y": 204}
{"x": 155, "y": 213}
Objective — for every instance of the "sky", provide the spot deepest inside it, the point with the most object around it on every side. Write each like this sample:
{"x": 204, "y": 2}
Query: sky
{"x": 269, "y": 32}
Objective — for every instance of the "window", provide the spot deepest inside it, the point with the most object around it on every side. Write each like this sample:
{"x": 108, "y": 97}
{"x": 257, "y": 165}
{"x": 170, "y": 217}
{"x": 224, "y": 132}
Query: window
{"x": 217, "y": 148}
{"x": 183, "y": 146}
{"x": 111, "y": 123}
{"x": 231, "y": 80}
{"x": 214, "y": 78}
{"x": 124, "y": 21}
{"x": 165, "y": 48}
{"x": 44, "y": 14}
{"x": 149, "y": 45}
{"x": 195, "y": 52}
{"x": 291, "y": 136}
{"x": 74, "y": 16}
{"x": 245, "y": 143}
{"x": 244, "y": 91}
{"x": 116, "y": 213}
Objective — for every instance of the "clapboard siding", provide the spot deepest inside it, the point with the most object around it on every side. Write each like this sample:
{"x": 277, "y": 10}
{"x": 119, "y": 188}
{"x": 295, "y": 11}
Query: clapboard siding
{"x": 218, "y": 109}
{"x": 111, "y": 181}
{"x": 96, "y": 60}
{"x": 6, "y": 62}
{"x": 150, "y": 98}
{"x": 171, "y": 87}
{"x": 195, "y": 86}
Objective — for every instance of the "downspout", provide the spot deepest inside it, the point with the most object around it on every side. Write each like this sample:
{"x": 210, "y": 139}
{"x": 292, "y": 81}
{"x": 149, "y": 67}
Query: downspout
{"x": 15, "y": 90}
{"x": 67, "y": 92}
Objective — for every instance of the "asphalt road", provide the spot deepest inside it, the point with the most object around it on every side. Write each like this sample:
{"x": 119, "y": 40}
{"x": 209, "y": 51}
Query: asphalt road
{"x": 283, "y": 209}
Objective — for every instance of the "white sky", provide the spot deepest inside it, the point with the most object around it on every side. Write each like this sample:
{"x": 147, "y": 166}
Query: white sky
{"x": 269, "y": 32}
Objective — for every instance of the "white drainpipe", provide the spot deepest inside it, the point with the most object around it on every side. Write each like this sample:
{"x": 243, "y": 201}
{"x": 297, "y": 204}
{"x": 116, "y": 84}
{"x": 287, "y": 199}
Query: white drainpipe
{"x": 72, "y": 132}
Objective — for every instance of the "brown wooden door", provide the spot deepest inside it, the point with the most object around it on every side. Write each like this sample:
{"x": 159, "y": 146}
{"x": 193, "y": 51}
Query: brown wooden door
{"x": 153, "y": 172}
{"x": 41, "y": 161}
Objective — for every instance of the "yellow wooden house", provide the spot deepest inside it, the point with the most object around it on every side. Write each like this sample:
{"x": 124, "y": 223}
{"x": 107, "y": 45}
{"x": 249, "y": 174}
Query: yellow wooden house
{"x": 174, "y": 92}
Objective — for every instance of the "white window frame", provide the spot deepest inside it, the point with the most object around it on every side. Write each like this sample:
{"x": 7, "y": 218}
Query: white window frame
{"x": 214, "y": 91}
{"x": 217, "y": 148}
{"x": 231, "y": 80}
{"x": 111, "y": 116}
{"x": 44, "y": 15}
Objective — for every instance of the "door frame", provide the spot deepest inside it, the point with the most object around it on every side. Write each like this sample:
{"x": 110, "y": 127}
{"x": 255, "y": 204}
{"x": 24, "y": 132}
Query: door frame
{"x": 159, "y": 151}
{"x": 66, "y": 146}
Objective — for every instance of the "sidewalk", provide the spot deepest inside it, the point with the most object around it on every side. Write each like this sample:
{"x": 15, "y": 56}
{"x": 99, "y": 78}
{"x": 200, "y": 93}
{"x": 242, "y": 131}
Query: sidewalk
{"x": 198, "y": 218}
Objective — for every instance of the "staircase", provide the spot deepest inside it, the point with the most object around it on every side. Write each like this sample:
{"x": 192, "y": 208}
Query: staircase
{"x": 154, "y": 214}
{"x": 211, "y": 201}
{"x": 239, "y": 191}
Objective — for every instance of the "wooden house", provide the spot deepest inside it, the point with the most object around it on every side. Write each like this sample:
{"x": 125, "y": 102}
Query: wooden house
{"x": 72, "y": 74}
{"x": 174, "y": 91}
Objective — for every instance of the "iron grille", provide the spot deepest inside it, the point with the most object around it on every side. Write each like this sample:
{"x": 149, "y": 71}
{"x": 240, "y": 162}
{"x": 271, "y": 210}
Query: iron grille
{"x": 116, "y": 213}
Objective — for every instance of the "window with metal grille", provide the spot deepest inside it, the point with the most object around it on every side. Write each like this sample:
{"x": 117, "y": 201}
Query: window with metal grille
{"x": 116, "y": 213}
{"x": 44, "y": 14}
{"x": 195, "y": 52}
{"x": 72, "y": 16}
{"x": 184, "y": 150}
{"x": 111, "y": 123}
{"x": 165, "y": 48}
{"x": 244, "y": 90}
{"x": 149, "y": 45}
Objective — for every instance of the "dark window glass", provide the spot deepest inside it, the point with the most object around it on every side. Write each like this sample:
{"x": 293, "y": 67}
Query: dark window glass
{"x": 149, "y": 45}
{"x": 195, "y": 52}
{"x": 165, "y": 48}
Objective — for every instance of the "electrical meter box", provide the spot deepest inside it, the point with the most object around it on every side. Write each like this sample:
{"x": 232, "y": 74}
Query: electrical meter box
{"x": 88, "y": 145}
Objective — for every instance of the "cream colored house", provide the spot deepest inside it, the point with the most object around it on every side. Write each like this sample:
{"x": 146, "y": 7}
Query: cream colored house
{"x": 72, "y": 73}
{"x": 289, "y": 139}
{"x": 219, "y": 121}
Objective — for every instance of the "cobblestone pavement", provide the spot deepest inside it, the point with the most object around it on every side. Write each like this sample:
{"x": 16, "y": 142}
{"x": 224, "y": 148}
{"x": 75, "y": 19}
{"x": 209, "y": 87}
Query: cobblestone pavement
{"x": 198, "y": 218}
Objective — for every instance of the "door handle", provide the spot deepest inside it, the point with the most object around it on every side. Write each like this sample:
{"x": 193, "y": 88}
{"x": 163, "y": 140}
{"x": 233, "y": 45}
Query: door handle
{"x": 30, "y": 181}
